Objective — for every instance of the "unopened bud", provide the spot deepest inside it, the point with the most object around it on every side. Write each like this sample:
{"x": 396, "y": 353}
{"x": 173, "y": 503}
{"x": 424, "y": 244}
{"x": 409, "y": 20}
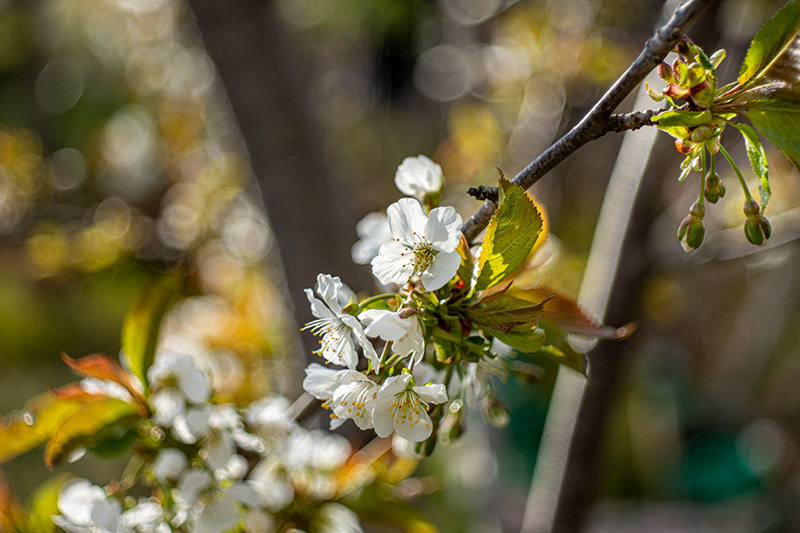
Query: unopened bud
{"x": 665, "y": 72}
{"x": 702, "y": 94}
{"x": 715, "y": 189}
{"x": 703, "y": 133}
{"x": 684, "y": 146}
{"x": 691, "y": 230}
{"x": 750, "y": 208}
{"x": 696, "y": 74}
{"x": 757, "y": 229}
{"x": 676, "y": 91}
{"x": 407, "y": 312}
{"x": 683, "y": 47}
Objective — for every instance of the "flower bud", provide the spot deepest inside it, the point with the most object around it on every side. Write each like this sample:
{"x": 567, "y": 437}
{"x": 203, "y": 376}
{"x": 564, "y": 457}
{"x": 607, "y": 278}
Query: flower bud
{"x": 757, "y": 229}
{"x": 702, "y": 94}
{"x": 407, "y": 312}
{"x": 715, "y": 189}
{"x": 696, "y": 74}
{"x": 665, "y": 72}
{"x": 684, "y": 146}
{"x": 750, "y": 208}
{"x": 691, "y": 230}
{"x": 703, "y": 133}
{"x": 676, "y": 91}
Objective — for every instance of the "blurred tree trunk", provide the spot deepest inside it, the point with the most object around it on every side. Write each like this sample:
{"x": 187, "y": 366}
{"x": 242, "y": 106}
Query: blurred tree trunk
{"x": 265, "y": 82}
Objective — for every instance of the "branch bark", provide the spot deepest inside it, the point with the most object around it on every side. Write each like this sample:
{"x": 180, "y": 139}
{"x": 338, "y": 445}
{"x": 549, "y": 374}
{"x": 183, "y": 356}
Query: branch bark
{"x": 598, "y": 121}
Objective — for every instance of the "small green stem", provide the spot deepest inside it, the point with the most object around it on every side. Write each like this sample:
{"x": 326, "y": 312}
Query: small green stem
{"x": 748, "y": 197}
{"x": 446, "y": 336}
{"x": 392, "y": 360}
{"x": 701, "y": 199}
{"x": 384, "y": 354}
{"x": 374, "y": 299}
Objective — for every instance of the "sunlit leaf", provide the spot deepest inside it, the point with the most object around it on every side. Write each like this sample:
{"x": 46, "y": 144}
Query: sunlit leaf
{"x": 510, "y": 236}
{"x": 781, "y": 126}
{"x": 31, "y": 427}
{"x": 682, "y": 119}
{"x": 528, "y": 340}
{"x": 467, "y": 262}
{"x": 143, "y": 322}
{"x": 758, "y": 160}
{"x": 85, "y": 423}
{"x": 102, "y": 367}
{"x": 771, "y": 44}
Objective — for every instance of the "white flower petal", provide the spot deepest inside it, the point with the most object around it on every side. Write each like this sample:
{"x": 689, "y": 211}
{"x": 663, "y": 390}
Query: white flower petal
{"x": 318, "y": 308}
{"x": 442, "y": 270}
{"x": 435, "y": 393}
{"x": 394, "y": 263}
{"x": 373, "y": 230}
{"x": 382, "y": 323}
{"x": 443, "y": 228}
{"x": 105, "y": 515}
{"x": 169, "y": 463}
{"x": 418, "y": 176}
{"x": 220, "y": 515}
{"x": 320, "y": 382}
{"x": 406, "y": 220}
{"x": 76, "y": 500}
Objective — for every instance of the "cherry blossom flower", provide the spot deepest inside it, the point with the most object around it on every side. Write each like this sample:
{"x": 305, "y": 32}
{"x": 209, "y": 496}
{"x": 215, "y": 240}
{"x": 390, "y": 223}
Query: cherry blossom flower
{"x": 423, "y": 245}
{"x": 336, "y": 327}
{"x": 349, "y": 394}
{"x": 85, "y": 508}
{"x": 373, "y": 231}
{"x": 418, "y": 177}
{"x": 402, "y": 407}
{"x": 405, "y": 333}
{"x": 180, "y": 370}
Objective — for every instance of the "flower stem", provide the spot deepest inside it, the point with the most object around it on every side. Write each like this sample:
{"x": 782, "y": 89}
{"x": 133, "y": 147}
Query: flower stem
{"x": 747, "y": 196}
{"x": 373, "y": 299}
{"x": 702, "y": 197}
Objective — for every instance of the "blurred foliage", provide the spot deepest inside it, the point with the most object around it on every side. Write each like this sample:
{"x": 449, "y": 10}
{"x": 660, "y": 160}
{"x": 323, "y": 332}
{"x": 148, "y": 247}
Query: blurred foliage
{"x": 118, "y": 158}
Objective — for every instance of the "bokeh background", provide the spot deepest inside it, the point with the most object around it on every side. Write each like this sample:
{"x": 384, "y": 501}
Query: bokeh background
{"x": 247, "y": 138}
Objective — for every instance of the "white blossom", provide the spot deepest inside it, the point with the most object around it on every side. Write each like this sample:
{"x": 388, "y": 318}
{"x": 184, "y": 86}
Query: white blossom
{"x": 168, "y": 464}
{"x": 336, "y": 327}
{"x": 219, "y": 515}
{"x": 336, "y": 518}
{"x": 148, "y": 516}
{"x": 423, "y": 245}
{"x": 181, "y": 370}
{"x": 418, "y": 177}
{"x": 402, "y": 407}
{"x": 85, "y": 508}
{"x": 405, "y": 333}
{"x": 373, "y": 231}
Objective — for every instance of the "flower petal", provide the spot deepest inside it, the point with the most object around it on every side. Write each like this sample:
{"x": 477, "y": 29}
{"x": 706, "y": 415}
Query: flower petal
{"x": 406, "y": 219}
{"x": 443, "y": 228}
{"x": 443, "y": 269}
{"x": 320, "y": 382}
{"x": 393, "y": 264}
{"x": 435, "y": 393}
{"x": 417, "y": 176}
{"x": 382, "y": 323}
{"x": 318, "y": 309}
{"x": 416, "y": 426}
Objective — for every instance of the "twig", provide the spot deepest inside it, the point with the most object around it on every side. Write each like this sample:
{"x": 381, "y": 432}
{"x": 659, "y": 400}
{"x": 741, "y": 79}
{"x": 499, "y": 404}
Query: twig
{"x": 597, "y": 122}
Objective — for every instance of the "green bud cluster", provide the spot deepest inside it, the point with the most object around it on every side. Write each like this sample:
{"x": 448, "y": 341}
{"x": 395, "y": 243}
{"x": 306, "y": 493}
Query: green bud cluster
{"x": 757, "y": 228}
{"x": 691, "y": 230}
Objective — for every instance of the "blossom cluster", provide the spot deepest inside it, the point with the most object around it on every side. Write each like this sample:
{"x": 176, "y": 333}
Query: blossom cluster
{"x": 215, "y": 467}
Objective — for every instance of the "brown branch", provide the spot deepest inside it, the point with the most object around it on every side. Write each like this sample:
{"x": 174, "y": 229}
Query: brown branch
{"x": 598, "y": 121}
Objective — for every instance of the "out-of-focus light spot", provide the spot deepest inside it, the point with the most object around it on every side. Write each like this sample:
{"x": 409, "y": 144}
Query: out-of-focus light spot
{"x": 505, "y": 65}
{"x": 342, "y": 96}
{"x": 115, "y": 217}
{"x": 444, "y": 73}
{"x": 471, "y": 11}
{"x": 248, "y": 238}
{"x": 227, "y": 371}
{"x": 764, "y": 448}
{"x": 66, "y": 169}
{"x": 191, "y": 73}
{"x": 305, "y": 13}
{"x": 129, "y": 149}
{"x": 220, "y": 272}
{"x": 182, "y": 221}
{"x": 59, "y": 86}
{"x": 142, "y": 7}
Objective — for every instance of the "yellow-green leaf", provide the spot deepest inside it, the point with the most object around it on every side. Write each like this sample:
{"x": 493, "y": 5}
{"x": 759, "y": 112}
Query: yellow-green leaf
{"x": 31, "y": 427}
{"x": 682, "y": 119}
{"x": 771, "y": 43}
{"x": 142, "y": 324}
{"x": 44, "y": 504}
{"x": 88, "y": 421}
{"x": 510, "y": 236}
{"x": 503, "y": 313}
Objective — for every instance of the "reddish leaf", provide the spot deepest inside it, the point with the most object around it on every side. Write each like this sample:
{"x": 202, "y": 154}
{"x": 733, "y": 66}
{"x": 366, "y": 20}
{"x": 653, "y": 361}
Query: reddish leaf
{"x": 565, "y": 312}
{"x": 102, "y": 367}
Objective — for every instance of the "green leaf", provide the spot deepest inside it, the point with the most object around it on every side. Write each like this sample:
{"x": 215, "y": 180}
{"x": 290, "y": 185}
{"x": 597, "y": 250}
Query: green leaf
{"x": 142, "y": 324}
{"x": 510, "y": 235}
{"x": 782, "y": 127}
{"x": 467, "y": 263}
{"x": 682, "y": 119}
{"x": 86, "y": 423}
{"x": 31, "y": 427}
{"x": 44, "y": 504}
{"x": 758, "y": 160}
{"x": 771, "y": 44}
{"x": 525, "y": 340}
{"x": 502, "y": 313}
{"x": 558, "y": 349}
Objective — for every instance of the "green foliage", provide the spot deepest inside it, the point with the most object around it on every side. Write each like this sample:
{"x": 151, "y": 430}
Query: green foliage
{"x": 781, "y": 127}
{"x": 510, "y": 235}
{"x": 92, "y": 418}
{"x": 143, "y": 322}
{"x": 683, "y": 119}
{"x": 771, "y": 43}
{"x": 44, "y": 504}
{"x": 758, "y": 160}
